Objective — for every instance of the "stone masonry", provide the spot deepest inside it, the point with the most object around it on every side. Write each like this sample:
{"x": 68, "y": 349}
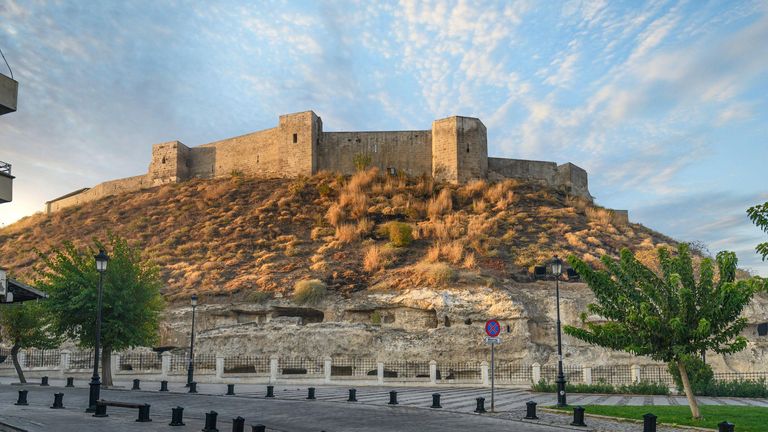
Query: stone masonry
{"x": 454, "y": 150}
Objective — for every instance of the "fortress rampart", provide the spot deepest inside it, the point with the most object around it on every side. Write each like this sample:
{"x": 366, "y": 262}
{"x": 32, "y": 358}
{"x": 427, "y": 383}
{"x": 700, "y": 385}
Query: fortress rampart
{"x": 455, "y": 149}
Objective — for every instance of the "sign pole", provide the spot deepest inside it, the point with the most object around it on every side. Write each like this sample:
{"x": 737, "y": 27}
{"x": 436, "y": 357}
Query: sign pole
{"x": 493, "y": 349}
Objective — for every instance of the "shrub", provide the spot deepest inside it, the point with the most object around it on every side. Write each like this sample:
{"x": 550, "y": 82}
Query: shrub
{"x": 334, "y": 215}
{"x": 260, "y": 296}
{"x": 440, "y": 205}
{"x": 437, "y": 273}
{"x": 324, "y": 190}
{"x": 645, "y": 388}
{"x": 362, "y": 161}
{"x": 346, "y": 233}
{"x": 310, "y": 291}
{"x": 453, "y": 251}
{"x": 400, "y": 234}
{"x": 700, "y": 375}
{"x": 376, "y": 318}
{"x": 375, "y": 258}
{"x": 739, "y": 388}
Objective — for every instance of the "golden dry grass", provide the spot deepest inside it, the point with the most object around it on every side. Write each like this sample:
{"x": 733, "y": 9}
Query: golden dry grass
{"x": 440, "y": 205}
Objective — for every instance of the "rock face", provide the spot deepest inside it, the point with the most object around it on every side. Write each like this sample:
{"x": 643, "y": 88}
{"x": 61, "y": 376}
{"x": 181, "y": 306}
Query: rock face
{"x": 425, "y": 324}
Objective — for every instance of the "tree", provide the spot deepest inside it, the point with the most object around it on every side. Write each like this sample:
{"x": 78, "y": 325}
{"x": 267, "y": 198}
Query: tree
{"x": 670, "y": 317}
{"x": 759, "y": 216}
{"x": 25, "y": 326}
{"x": 131, "y": 301}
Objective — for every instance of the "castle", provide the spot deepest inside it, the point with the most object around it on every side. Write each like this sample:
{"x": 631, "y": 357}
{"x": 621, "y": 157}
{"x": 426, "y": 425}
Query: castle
{"x": 454, "y": 150}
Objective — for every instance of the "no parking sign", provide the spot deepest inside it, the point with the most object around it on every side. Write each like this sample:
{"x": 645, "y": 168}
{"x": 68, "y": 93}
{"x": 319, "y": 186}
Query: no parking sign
{"x": 492, "y": 328}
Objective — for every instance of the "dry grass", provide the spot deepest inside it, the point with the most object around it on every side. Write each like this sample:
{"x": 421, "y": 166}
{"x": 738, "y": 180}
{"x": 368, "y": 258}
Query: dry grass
{"x": 435, "y": 273}
{"x": 347, "y": 233}
{"x": 599, "y": 215}
{"x": 479, "y": 206}
{"x": 469, "y": 261}
{"x": 355, "y": 201}
{"x": 433, "y": 254}
{"x": 440, "y": 205}
{"x": 334, "y": 215}
{"x": 453, "y": 251}
{"x": 376, "y": 258}
{"x": 474, "y": 188}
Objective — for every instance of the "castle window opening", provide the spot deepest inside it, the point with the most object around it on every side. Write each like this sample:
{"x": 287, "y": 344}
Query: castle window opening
{"x": 468, "y": 321}
{"x": 163, "y": 161}
{"x": 467, "y": 148}
{"x": 295, "y": 138}
{"x": 762, "y": 329}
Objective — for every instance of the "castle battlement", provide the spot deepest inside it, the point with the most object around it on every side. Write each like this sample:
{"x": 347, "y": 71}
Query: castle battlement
{"x": 455, "y": 149}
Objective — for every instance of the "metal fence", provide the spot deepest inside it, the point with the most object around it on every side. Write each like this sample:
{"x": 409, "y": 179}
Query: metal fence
{"x": 354, "y": 367}
{"x": 469, "y": 371}
{"x": 301, "y": 366}
{"x": 616, "y": 375}
{"x": 513, "y": 373}
{"x": 656, "y": 374}
{"x": 741, "y": 376}
{"x": 202, "y": 362}
{"x": 246, "y": 364}
{"x": 42, "y": 358}
{"x": 140, "y": 361}
{"x": 406, "y": 369}
{"x": 573, "y": 373}
{"x": 81, "y": 359}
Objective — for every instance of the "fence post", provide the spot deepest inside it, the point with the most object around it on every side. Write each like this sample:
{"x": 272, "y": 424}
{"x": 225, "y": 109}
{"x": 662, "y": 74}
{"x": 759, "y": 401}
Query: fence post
{"x": 115, "y": 365}
{"x": 273, "y": 368}
{"x": 484, "y": 373}
{"x": 536, "y": 373}
{"x": 635, "y": 373}
{"x": 380, "y": 371}
{"x": 327, "y": 368}
{"x": 219, "y": 366}
{"x": 586, "y": 373}
{"x": 433, "y": 372}
{"x": 165, "y": 364}
{"x": 64, "y": 362}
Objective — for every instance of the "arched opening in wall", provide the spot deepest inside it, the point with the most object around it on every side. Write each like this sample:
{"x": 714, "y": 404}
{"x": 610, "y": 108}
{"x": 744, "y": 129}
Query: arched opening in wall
{"x": 762, "y": 329}
{"x": 307, "y": 315}
{"x": 295, "y": 138}
{"x": 508, "y": 329}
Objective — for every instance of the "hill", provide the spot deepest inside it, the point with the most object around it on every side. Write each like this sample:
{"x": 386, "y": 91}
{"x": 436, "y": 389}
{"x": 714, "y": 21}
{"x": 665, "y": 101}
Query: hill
{"x": 237, "y": 238}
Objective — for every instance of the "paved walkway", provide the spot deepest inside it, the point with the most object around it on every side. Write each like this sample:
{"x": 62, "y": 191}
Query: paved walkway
{"x": 290, "y": 411}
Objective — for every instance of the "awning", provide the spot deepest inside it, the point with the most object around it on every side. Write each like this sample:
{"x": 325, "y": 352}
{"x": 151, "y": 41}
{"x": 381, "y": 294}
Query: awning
{"x": 23, "y": 292}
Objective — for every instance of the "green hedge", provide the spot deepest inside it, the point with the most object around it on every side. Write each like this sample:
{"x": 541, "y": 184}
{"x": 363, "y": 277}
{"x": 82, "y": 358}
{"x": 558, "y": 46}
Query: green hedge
{"x": 643, "y": 387}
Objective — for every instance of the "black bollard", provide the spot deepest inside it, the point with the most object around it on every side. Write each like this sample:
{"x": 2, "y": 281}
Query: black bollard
{"x": 725, "y": 427}
{"x": 480, "y": 405}
{"x": 578, "y": 416}
{"x": 163, "y": 386}
{"x": 101, "y": 410}
{"x": 210, "y": 422}
{"x": 393, "y": 397}
{"x": 258, "y": 428}
{"x": 436, "y": 400}
{"x": 352, "y": 395}
{"x": 22, "y": 398}
{"x": 144, "y": 414}
{"x": 649, "y": 423}
{"x": 311, "y": 393}
{"x": 136, "y": 384}
{"x": 238, "y": 424}
{"x": 58, "y": 401}
{"x": 177, "y": 416}
{"x": 192, "y": 387}
{"x": 70, "y": 382}
{"x": 230, "y": 389}
{"x": 530, "y": 411}
{"x": 44, "y": 381}
{"x": 270, "y": 391}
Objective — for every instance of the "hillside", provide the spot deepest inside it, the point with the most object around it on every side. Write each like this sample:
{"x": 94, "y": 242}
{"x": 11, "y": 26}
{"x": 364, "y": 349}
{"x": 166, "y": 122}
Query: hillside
{"x": 233, "y": 238}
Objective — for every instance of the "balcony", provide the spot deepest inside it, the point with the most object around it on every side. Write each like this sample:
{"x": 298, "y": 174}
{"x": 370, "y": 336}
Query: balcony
{"x": 9, "y": 92}
{"x": 6, "y": 183}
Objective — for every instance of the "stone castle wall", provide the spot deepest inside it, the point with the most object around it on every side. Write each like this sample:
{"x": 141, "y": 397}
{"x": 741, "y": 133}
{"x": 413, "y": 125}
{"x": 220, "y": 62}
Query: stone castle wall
{"x": 454, "y": 150}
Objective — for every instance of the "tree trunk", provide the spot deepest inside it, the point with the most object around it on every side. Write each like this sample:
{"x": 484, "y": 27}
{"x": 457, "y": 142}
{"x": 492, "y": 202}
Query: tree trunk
{"x": 106, "y": 367}
{"x": 15, "y": 358}
{"x": 695, "y": 413}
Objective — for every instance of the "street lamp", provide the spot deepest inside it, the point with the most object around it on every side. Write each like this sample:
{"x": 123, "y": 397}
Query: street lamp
{"x": 101, "y": 267}
{"x": 191, "y": 367}
{"x": 556, "y": 267}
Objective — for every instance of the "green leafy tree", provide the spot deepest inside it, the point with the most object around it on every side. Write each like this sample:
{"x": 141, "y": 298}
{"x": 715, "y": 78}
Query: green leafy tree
{"x": 25, "y": 325}
{"x": 131, "y": 301}
{"x": 759, "y": 216}
{"x": 670, "y": 317}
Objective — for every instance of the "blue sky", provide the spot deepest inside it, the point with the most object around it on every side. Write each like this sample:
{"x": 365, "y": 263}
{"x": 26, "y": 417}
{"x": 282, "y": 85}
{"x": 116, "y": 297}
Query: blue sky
{"x": 665, "y": 103}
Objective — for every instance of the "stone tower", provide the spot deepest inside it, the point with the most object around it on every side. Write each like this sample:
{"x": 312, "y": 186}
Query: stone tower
{"x": 459, "y": 149}
{"x": 298, "y": 135}
{"x": 170, "y": 163}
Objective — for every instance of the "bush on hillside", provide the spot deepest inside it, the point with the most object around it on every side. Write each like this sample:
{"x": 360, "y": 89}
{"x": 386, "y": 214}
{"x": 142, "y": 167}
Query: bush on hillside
{"x": 309, "y": 291}
{"x": 700, "y": 375}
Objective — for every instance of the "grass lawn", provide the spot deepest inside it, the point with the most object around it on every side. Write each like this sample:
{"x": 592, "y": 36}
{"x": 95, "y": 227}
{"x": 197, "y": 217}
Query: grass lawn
{"x": 746, "y": 418}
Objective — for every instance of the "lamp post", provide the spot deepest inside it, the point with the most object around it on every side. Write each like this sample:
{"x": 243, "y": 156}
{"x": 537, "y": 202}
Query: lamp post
{"x": 191, "y": 367}
{"x": 101, "y": 267}
{"x": 557, "y": 268}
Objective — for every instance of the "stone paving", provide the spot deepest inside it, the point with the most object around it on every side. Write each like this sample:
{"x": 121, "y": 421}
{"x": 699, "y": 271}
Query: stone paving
{"x": 290, "y": 411}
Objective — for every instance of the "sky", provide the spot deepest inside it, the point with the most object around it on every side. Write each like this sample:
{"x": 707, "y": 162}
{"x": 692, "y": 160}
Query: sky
{"x": 664, "y": 103}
